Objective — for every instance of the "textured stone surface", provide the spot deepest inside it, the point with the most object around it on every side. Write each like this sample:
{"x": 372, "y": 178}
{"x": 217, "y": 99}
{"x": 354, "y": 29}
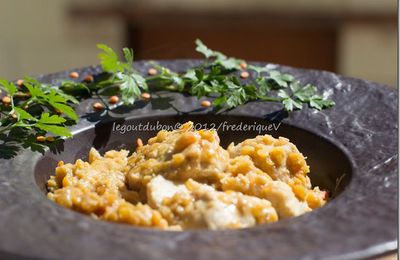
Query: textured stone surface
{"x": 361, "y": 222}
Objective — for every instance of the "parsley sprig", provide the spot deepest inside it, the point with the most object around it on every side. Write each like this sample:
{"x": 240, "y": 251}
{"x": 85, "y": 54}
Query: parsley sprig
{"x": 217, "y": 78}
{"x": 31, "y": 106}
{"x": 130, "y": 82}
{"x": 37, "y": 109}
{"x": 218, "y": 58}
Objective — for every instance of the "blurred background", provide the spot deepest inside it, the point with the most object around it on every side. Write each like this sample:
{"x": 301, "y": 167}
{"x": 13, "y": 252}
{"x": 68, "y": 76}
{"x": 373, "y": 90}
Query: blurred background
{"x": 352, "y": 37}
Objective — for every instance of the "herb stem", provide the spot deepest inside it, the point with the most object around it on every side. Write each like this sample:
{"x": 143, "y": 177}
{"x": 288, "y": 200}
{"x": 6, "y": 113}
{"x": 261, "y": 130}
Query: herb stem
{"x": 102, "y": 100}
{"x": 26, "y": 102}
{"x": 153, "y": 77}
{"x": 276, "y": 99}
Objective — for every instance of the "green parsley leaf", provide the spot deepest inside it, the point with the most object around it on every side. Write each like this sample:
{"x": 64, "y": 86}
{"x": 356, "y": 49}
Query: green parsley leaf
{"x": 280, "y": 79}
{"x": 283, "y": 94}
{"x": 59, "y": 93}
{"x": 289, "y": 104}
{"x": 72, "y": 89}
{"x": 220, "y": 101}
{"x": 130, "y": 86}
{"x": 236, "y": 98}
{"x": 190, "y": 75}
{"x": 67, "y": 110}
{"x": 45, "y": 118}
{"x": 52, "y": 123}
{"x": 109, "y": 59}
{"x": 55, "y": 129}
{"x": 203, "y": 49}
{"x": 319, "y": 103}
{"x": 258, "y": 69}
{"x": 228, "y": 63}
{"x": 128, "y": 54}
{"x": 264, "y": 87}
{"x": 34, "y": 90}
{"x": 46, "y": 94}
{"x": 23, "y": 115}
{"x": 9, "y": 87}
{"x": 304, "y": 93}
{"x": 221, "y": 59}
{"x": 201, "y": 89}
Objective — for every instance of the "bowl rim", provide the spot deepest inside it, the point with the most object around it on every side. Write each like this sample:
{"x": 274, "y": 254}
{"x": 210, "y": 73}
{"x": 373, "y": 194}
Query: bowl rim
{"x": 363, "y": 250}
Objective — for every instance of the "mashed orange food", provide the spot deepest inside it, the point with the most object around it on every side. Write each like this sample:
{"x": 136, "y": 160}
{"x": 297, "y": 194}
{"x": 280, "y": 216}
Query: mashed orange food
{"x": 184, "y": 179}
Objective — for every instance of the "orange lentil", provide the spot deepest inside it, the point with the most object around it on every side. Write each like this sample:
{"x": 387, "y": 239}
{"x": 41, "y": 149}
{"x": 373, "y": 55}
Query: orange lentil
{"x": 40, "y": 138}
{"x": 152, "y": 72}
{"x": 244, "y": 74}
{"x": 88, "y": 78}
{"x": 205, "y": 103}
{"x": 146, "y": 95}
{"x": 243, "y": 65}
{"x": 74, "y": 75}
{"x": 113, "y": 100}
{"x": 98, "y": 106}
{"x": 6, "y": 100}
{"x": 20, "y": 82}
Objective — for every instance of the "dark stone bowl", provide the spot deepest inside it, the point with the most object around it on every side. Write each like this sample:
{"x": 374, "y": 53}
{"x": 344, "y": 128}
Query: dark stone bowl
{"x": 351, "y": 148}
